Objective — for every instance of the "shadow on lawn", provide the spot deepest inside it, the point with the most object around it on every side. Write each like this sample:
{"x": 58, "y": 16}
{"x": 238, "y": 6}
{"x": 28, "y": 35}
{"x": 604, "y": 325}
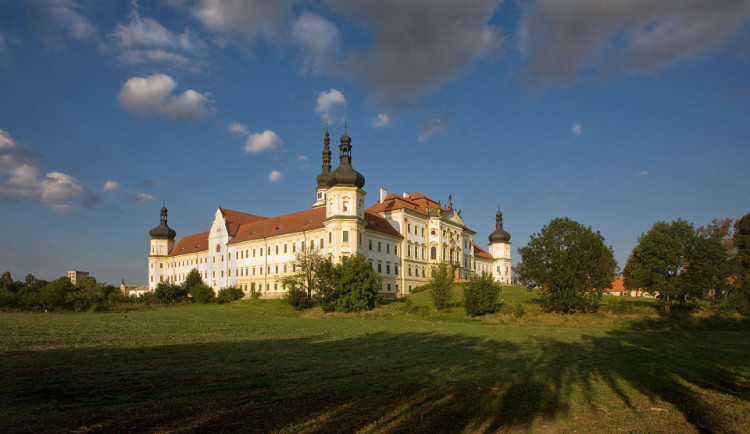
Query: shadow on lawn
{"x": 382, "y": 382}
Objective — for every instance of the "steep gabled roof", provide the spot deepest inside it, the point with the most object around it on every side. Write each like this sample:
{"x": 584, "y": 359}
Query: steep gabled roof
{"x": 478, "y": 251}
{"x": 415, "y": 202}
{"x": 377, "y": 223}
{"x": 281, "y": 225}
{"x": 191, "y": 244}
{"x": 235, "y": 219}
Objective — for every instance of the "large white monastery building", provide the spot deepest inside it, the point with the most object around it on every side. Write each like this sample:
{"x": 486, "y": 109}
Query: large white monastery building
{"x": 401, "y": 235}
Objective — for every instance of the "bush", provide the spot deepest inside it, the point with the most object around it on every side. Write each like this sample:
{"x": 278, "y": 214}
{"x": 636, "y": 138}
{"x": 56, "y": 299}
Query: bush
{"x": 480, "y": 296}
{"x": 350, "y": 286}
{"x": 203, "y": 294}
{"x": 169, "y": 293}
{"x": 229, "y": 294}
{"x": 518, "y": 310}
{"x": 297, "y": 297}
{"x": 620, "y": 306}
{"x": 440, "y": 285}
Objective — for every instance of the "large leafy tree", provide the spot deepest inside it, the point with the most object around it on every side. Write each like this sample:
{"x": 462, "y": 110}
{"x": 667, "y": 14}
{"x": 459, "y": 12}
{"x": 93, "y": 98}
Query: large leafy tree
{"x": 708, "y": 269}
{"x": 741, "y": 240}
{"x": 306, "y": 262}
{"x": 571, "y": 263}
{"x": 657, "y": 262}
{"x": 350, "y": 286}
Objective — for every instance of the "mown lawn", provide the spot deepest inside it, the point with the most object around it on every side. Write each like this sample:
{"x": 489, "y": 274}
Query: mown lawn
{"x": 260, "y": 366}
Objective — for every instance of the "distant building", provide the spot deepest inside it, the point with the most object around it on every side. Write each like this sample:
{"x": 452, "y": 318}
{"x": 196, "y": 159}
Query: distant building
{"x": 75, "y": 275}
{"x": 402, "y": 236}
{"x": 618, "y": 288}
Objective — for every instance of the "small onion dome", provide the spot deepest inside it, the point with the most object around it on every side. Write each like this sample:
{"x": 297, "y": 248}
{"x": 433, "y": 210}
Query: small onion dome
{"x": 163, "y": 231}
{"x": 345, "y": 173}
{"x": 499, "y": 236}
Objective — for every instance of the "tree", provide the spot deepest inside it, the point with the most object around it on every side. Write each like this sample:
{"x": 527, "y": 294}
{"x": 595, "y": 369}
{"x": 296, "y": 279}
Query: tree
{"x": 203, "y": 293}
{"x": 307, "y": 262}
{"x": 481, "y": 294}
{"x": 168, "y": 292}
{"x": 708, "y": 268}
{"x": 6, "y": 280}
{"x": 741, "y": 241}
{"x": 192, "y": 279}
{"x": 54, "y": 294}
{"x": 441, "y": 283}
{"x": 350, "y": 286}
{"x": 721, "y": 230}
{"x": 229, "y": 294}
{"x": 571, "y": 263}
{"x": 657, "y": 262}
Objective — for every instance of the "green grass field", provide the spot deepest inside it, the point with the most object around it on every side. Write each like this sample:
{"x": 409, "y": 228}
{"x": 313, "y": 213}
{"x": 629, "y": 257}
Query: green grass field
{"x": 257, "y": 365}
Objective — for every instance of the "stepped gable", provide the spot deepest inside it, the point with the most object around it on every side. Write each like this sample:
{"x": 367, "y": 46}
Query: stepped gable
{"x": 281, "y": 225}
{"x": 191, "y": 244}
{"x": 478, "y": 251}
{"x": 378, "y": 223}
{"x": 235, "y": 219}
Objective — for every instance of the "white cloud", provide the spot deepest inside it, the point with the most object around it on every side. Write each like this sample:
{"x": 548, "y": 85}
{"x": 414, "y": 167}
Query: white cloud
{"x": 111, "y": 186}
{"x": 643, "y": 173}
{"x": 238, "y": 129}
{"x": 20, "y": 178}
{"x": 275, "y": 176}
{"x": 302, "y": 158}
{"x": 319, "y": 39}
{"x": 382, "y": 120}
{"x": 259, "y": 142}
{"x": 145, "y": 40}
{"x": 331, "y": 105}
{"x": 432, "y": 126}
{"x": 152, "y": 95}
{"x": 65, "y": 14}
{"x": 560, "y": 39}
{"x": 576, "y": 130}
{"x": 253, "y": 19}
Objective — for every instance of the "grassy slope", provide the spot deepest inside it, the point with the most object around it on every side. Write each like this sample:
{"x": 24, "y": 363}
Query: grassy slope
{"x": 259, "y": 366}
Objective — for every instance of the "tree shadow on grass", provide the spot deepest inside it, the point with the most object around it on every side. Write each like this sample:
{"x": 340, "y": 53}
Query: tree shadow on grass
{"x": 416, "y": 382}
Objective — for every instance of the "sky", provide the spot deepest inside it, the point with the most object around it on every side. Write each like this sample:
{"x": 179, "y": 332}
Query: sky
{"x": 615, "y": 114}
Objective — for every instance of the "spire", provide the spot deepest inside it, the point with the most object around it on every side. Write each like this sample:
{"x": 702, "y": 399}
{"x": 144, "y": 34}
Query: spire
{"x": 345, "y": 173}
{"x": 326, "y": 168}
{"x": 499, "y": 236}
{"x": 163, "y": 230}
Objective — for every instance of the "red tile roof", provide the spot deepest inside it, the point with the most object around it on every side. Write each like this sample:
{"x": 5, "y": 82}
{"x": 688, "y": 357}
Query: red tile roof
{"x": 281, "y": 225}
{"x": 191, "y": 244}
{"x": 235, "y": 219}
{"x": 415, "y": 202}
{"x": 378, "y": 223}
{"x": 478, "y": 251}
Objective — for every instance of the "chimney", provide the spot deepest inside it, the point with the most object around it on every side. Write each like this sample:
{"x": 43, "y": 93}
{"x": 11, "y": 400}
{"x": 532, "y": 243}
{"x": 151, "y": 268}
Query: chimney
{"x": 406, "y": 195}
{"x": 383, "y": 194}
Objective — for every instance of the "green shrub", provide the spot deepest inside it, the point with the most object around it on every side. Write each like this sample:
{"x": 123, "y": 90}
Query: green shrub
{"x": 518, "y": 310}
{"x": 440, "y": 286}
{"x": 147, "y": 298}
{"x": 297, "y": 297}
{"x": 229, "y": 294}
{"x": 621, "y": 306}
{"x": 480, "y": 296}
{"x": 203, "y": 294}
{"x": 170, "y": 293}
{"x": 350, "y": 286}
{"x": 420, "y": 288}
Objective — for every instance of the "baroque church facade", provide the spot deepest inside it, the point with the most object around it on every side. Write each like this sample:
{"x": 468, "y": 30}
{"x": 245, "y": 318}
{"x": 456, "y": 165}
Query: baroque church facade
{"x": 402, "y": 236}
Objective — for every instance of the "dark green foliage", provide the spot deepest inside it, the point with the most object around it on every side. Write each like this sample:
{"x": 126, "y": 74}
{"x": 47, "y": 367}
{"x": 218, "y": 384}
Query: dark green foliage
{"x": 572, "y": 264}
{"x": 621, "y": 306}
{"x": 350, "y": 286}
{"x": 657, "y": 262}
{"x": 229, "y": 294}
{"x": 306, "y": 278}
{"x": 203, "y": 294}
{"x": 742, "y": 240}
{"x": 297, "y": 297}
{"x": 55, "y": 294}
{"x": 192, "y": 279}
{"x": 170, "y": 293}
{"x": 708, "y": 269}
{"x": 440, "y": 286}
{"x": 481, "y": 295}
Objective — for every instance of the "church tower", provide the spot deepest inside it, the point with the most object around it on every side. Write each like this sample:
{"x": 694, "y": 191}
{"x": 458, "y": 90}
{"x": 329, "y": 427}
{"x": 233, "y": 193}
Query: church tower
{"x": 162, "y": 242}
{"x": 345, "y": 205}
{"x": 500, "y": 250}
{"x": 326, "y": 170}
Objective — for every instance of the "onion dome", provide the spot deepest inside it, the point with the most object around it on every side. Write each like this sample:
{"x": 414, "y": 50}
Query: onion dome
{"x": 326, "y": 162}
{"x": 499, "y": 236}
{"x": 345, "y": 173}
{"x": 163, "y": 231}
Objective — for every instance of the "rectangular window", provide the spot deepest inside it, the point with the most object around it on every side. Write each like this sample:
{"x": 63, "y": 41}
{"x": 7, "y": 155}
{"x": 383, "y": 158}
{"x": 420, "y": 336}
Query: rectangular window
{"x": 395, "y": 270}
{"x": 408, "y": 228}
{"x": 294, "y": 247}
{"x": 312, "y": 244}
{"x": 284, "y": 247}
{"x": 408, "y": 251}
{"x": 369, "y": 245}
{"x": 269, "y": 270}
{"x": 380, "y": 246}
{"x": 261, "y": 251}
{"x": 409, "y": 270}
{"x": 277, "y": 250}
{"x": 277, "y": 269}
{"x": 229, "y": 256}
{"x": 387, "y": 268}
{"x": 321, "y": 243}
{"x": 269, "y": 250}
{"x": 253, "y": 271}
{"x": 380, "y": 268}
{"x": 253, "y": 253}
{"x": 422, "y": 232}
{"x": 389, "y": 287}
{"x": 330, "y": 237}
{"x": 387, "y": 248}
{"x": 345, "y": 236}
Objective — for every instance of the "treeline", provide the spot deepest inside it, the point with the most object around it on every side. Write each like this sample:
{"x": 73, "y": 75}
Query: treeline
{"x": 680, "y": 264}
{"x": 89, "y": 295}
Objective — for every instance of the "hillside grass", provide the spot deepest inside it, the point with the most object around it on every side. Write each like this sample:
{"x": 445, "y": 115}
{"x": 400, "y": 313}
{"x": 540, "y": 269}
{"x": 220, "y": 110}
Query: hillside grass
{"x": 259, "y": 365}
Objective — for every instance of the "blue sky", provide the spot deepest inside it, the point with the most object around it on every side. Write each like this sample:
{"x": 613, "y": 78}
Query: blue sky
{"x": 616, "y": 115}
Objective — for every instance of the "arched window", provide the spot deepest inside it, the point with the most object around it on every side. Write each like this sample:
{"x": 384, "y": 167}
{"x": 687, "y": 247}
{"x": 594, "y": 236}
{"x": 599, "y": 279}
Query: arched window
{"x": 218, "y": 248}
